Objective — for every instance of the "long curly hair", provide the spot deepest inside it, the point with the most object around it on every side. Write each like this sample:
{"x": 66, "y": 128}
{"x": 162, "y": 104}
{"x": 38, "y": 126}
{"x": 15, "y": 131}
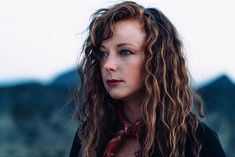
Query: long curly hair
{"x": 168, "y": 100}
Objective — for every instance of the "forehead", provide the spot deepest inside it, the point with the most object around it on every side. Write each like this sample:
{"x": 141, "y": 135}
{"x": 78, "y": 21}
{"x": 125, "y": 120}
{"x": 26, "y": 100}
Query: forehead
{"x": 126, "y": 31}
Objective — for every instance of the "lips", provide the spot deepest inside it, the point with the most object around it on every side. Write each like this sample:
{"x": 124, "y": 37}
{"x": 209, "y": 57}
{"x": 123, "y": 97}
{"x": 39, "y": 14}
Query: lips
{"x": 113, "y": 82}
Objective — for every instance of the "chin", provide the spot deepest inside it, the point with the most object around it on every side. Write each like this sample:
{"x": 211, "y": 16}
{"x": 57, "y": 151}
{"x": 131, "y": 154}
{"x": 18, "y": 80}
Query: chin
{"x": 117, "y": 96}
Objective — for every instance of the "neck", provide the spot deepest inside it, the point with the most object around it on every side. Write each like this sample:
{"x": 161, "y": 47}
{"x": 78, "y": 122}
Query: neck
{"x": 132, "y": 111}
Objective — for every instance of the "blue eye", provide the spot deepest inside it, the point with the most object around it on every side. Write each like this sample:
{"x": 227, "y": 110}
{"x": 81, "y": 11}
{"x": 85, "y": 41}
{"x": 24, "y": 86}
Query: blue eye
{"x": 125, "y": 52}
{"x": 103, "y": 54}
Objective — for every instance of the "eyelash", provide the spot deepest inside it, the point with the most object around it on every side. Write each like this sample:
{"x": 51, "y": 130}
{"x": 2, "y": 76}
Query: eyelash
{"x": 104, "y": 54}
{"x": 125, "y": 50}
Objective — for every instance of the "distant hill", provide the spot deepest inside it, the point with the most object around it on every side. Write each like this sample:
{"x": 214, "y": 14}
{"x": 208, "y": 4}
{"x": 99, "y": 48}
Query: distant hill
{"x": 218, "y": 94}
{"x": 67, "y": 79}
{"x": 220, "y": 82}
{"x": 32, "y": 114}
{"x": 219, "y": 99}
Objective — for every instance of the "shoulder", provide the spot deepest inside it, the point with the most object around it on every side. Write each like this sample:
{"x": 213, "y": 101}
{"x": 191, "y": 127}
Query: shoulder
{"x": 209, "y": 139}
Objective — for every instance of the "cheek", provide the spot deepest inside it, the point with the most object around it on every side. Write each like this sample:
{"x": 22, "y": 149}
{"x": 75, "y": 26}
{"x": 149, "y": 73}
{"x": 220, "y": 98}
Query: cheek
{"x": 136, "y": 73}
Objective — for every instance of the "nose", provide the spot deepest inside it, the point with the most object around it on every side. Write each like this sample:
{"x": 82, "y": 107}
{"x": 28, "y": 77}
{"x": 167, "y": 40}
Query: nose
{"x": 110, "y": 63}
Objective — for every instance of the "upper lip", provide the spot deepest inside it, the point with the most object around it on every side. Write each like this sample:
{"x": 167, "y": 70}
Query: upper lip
{"x": 113, "y": 80}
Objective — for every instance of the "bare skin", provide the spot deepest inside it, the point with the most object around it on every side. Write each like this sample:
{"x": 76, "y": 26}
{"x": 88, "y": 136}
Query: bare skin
{"x": 129, "y": 148}
{"x": 131, "y": 108}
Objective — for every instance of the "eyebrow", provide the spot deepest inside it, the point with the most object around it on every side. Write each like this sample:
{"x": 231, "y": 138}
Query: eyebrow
{"x": 124, "y": 44}
{"x": 120, "y": 45}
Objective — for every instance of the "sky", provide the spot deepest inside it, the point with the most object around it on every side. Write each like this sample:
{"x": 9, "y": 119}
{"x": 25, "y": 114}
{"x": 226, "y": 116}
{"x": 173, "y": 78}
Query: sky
{"x": 40, "y": 39}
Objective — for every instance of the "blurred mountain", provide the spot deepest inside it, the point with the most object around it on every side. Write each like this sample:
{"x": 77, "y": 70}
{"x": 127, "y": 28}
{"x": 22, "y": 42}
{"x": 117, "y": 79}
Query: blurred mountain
{"x": 219, "y": 95}
{"x": 67, "y": 79}
{"x": 34, "y": 117}
{"x": 220, "y": 82}
{"x": 219, "y": 104}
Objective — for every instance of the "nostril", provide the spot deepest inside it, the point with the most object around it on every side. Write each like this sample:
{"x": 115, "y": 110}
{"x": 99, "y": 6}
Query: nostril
{"x": 110, "y": 67}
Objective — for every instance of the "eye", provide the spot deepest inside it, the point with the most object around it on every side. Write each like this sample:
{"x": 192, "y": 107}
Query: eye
{"x": 103, "y": 54}
{"x": 125, "y": 52}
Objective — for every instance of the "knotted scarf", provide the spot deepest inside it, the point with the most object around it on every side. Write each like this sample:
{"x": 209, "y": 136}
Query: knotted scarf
{"x": 128, "y": 130}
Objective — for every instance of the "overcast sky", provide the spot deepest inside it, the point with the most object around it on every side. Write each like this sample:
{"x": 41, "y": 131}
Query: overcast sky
{"x": 42, "y": 38}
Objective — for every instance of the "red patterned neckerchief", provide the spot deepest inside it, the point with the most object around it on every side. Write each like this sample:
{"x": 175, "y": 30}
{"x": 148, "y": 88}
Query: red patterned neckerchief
{"x": 129, "y": 130}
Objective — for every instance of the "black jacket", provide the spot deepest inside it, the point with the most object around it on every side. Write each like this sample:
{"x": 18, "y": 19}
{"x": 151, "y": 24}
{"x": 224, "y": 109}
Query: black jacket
{"x": 211, "y": 146}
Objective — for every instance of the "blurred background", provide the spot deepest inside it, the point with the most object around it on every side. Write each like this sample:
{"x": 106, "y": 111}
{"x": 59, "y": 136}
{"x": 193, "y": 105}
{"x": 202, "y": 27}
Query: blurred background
{"x": 40, "y": 41}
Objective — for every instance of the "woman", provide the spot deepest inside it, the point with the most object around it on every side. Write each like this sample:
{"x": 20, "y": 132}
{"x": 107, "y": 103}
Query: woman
{"x": 137, "y": 100}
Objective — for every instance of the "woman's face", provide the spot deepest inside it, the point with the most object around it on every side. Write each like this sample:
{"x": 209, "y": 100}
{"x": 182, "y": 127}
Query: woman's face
{"x": 122, "y": 64}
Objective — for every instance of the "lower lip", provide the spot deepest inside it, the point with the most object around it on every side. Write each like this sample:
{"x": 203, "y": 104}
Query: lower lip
{"x": 113, "y": 84}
